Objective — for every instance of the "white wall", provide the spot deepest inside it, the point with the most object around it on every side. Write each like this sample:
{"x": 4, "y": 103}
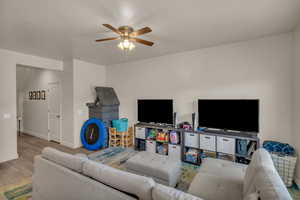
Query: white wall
{"x": 296, "y": 98}
{"x": 8, "y": 121}
{"x": 253, "y": 69}
{"x": 8, "y": 139}
{"x": 68, "y": 104}
{"x": 35, "y": 112}
{"x": 86, "y": 77}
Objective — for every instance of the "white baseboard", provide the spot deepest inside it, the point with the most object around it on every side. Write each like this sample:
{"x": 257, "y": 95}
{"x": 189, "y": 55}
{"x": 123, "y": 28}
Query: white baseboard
{"x": 77, "y": 146}
{"x": 39, "y": 135}
{"x": 68, "y": 144}
{"x": 8, "y": 158}
{"x": 45, "y": 137}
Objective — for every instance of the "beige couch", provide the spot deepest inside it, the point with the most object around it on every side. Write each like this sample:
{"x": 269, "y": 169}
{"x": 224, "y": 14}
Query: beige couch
{"x": 237, "y": 181}
{"x": 61, "y": 176}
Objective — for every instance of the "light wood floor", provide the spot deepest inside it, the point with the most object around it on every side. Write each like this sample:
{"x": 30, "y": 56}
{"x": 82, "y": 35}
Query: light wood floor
{"x": 14, "y": 171}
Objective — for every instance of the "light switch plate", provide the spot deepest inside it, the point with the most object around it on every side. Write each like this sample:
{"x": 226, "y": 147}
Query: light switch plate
{"x": 7, "y": 116}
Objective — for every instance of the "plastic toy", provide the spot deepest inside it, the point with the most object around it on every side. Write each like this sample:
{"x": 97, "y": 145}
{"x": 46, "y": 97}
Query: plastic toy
{"x": 174, "y": 137}
{"x": 152, "y": 134}
{"x": 161, "y": 149}
{"x": 162, "y": 137}
{"x": 185, "y": 126}
{"x": 191, "y": 155}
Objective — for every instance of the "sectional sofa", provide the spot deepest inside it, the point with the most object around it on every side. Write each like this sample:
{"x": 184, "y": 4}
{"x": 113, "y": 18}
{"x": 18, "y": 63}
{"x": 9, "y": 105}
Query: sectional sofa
{"x": 63, "y": 176}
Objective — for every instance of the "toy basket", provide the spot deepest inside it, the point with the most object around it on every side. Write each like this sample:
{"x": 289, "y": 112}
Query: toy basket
{"x": 285, "y": 166}
{"x": 121, "y": 125}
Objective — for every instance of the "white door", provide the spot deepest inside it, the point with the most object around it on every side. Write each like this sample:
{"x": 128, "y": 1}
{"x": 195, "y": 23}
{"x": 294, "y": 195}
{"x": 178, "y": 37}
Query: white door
{"x": 54, "y": 112}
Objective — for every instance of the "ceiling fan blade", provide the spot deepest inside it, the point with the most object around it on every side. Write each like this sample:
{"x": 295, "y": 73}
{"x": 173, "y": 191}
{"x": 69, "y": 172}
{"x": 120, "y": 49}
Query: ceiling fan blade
{"x": 112, "y": 28}
{"x": 145, "y": 42}
{"x": 106, "y": 39}
{"x": 141, "y": 32}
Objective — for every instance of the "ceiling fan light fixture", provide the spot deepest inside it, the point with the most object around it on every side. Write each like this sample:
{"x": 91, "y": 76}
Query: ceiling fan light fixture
{"x": 127, "y": 35}
{"x": 126, "y": 45}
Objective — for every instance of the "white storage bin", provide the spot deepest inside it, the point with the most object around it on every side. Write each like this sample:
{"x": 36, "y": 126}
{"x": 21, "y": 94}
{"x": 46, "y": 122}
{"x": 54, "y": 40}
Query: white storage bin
{"x": 226, "y": 145}
{"x": 208, "y": 142}
{"x": 151, "y": 146}
{"x": 285, "y": 166}
{"x": 174, "y": 151}
{"x": 191, "y": 140}
{"x": 140, "y": 133}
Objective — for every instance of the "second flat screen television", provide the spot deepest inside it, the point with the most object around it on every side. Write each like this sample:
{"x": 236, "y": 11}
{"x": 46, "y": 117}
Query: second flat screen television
{"x": 155, "y": 110}
{"x": 229, "y": 114}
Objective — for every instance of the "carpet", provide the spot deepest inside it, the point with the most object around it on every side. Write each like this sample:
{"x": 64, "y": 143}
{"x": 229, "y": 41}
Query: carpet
{"x": 20, "y": 191}
{"x": 114, "y": 157}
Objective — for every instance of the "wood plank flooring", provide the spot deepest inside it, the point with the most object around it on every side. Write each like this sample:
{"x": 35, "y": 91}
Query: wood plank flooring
{"x": 12, "y": 172}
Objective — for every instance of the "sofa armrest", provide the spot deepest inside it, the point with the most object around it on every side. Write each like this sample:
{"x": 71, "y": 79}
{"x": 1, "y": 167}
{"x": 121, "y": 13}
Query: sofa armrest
{"x": 212, "y": 187}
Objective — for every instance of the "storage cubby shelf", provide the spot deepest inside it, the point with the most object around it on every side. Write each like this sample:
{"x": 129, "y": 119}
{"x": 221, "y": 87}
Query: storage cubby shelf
{"x": 220, "y": 142}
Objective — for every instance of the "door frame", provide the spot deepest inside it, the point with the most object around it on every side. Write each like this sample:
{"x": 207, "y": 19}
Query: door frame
{"x": 60, "y": 109}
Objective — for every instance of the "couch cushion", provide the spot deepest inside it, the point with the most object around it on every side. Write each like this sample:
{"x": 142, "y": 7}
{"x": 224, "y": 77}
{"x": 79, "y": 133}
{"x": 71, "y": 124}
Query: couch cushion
{"x": 214, "y": 187}
{"x": 224, "y": 168}
{"x": 124, "y": 181}
{"x": 260, "y": 159}
{"x": 155, "y": 165}
{"x": 270, "y": 186}
{"x": 67, "y": 160}
{"x": 161, "y": 192}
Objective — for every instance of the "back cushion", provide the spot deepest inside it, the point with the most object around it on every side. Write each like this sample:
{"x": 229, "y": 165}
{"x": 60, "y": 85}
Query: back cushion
{"x": 260, "y": 159}
{"x": 161, "y": 192}
{"x": 124, "y": 181}
{"x": 270, "y": 186}
{"x": 67, "y": 160}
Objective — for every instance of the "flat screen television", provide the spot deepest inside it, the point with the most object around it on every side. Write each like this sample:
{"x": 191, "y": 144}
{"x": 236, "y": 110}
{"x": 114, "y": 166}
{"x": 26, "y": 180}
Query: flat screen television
{"x": 229, "y": 114}
{"x": 155, "y": 111}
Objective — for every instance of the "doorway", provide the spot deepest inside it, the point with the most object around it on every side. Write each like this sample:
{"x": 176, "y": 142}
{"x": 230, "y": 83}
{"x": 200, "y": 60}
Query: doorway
{"x": 54, "y": 112}
{"x": 39, "y": 100}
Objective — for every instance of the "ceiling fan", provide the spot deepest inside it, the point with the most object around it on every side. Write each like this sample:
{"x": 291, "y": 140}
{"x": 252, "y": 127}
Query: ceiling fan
{"x": 127, "y": 35}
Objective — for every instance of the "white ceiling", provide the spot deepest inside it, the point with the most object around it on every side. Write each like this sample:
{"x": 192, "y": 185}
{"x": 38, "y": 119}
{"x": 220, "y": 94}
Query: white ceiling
{"x": 63, "y": 29}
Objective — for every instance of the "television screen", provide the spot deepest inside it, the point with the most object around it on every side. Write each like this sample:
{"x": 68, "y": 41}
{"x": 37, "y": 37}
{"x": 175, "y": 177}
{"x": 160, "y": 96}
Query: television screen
{"x": 229, "y": 114}
{"x": 155, "y": 110}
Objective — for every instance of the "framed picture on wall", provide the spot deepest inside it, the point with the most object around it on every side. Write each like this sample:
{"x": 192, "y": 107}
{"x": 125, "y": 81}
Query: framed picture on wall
{"x": 38, "y": 95}
{"x": 30, "y": 95}
{"x": 43, "y": 95}
{"x": 34, "y": 95}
